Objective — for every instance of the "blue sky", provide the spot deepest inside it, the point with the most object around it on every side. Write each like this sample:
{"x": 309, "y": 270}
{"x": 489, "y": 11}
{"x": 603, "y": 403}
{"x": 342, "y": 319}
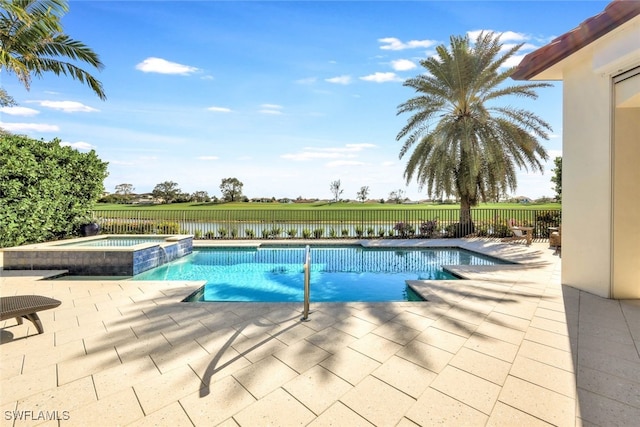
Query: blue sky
{"x": 285, "y": 96}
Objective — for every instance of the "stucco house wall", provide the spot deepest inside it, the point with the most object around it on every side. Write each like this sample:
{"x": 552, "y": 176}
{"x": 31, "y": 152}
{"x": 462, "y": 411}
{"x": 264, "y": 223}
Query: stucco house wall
{"x": 601, "y": 148}
{"x": 586, "y": 179}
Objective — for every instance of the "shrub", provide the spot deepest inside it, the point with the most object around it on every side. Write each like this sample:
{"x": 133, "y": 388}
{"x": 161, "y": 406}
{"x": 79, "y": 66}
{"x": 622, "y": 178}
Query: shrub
{"x": 292, "y": 232}
{"x": 265, "y": 233}
{"x": 381, "y": 232}
{"x": 501, "y": 230}
{"x": 359, "y": 231}
{"x": 275, "y": 232}
{"x": 317, "y": 233}
{"x": 333, "y": 233}
{"x": 428, "y": 228}
{"x": 404, "y": 229}
{"x": 210, "y": 235}
{"x": 306, "y": 233}
{"x": 482, "y": 229}
{"x": 197, "y": 234}
{"x": 250, "y": 233}
{"x": 46, "y": 190}
{"x": 222, "y": 232}
{"x": 167, "y": 227}
{"x": 345, "y": 232}
{"x": 234, "y": 233}
{"x": 126, "y": 227}
{"x": 370, "y": 232}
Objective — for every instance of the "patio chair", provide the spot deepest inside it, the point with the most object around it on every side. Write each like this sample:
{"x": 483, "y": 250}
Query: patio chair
{"x": 555, "y": 239}
{"x": 520, "y": 233}
{"x": 26, "y": 306}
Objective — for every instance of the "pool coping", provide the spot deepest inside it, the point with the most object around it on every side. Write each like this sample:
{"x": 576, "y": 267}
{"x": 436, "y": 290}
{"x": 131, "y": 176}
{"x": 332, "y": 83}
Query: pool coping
{"x": 59, "y": 245}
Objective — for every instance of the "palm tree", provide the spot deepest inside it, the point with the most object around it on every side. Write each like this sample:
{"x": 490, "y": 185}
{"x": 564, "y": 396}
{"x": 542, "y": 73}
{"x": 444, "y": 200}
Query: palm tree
{"x": 464, "y": 142}
{"x": 32, "y": 41}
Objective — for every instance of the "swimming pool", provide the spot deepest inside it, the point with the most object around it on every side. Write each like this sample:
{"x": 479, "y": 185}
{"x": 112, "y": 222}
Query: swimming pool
{"x": 338, "y": 274}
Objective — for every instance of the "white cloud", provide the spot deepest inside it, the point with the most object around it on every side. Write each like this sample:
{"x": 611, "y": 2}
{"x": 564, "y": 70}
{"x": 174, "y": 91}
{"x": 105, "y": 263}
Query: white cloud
{"x": 68, "y": 106}
{"x": 219, "y": 109}
{"x": 272, "y": 112}
{"x": 346, "y": 148}
{"x": 29, "y": 127}
{"x": 339, "y": 163}
{"x": 341, "y": 80}
{"x": 513, "y": 36}
{"x": 506, "y": 36}
{"x": 392, "y": 43}
{"x": 162, "y": 66}
{"x": 19, "y": 111}
{"x": 273, "y": 109}
{"x": 310, "y": 153}
{"x": 403, "y": 65}
{"x": 208, "y": 157}
{"x": 379, "y": 77}
{"x": 80, "y": 145}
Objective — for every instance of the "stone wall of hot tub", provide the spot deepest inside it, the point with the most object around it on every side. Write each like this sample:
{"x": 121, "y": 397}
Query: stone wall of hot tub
{"x": 98, "y": 262}
{"x": 79, "y": 263}
{"x": 148, "y": 258}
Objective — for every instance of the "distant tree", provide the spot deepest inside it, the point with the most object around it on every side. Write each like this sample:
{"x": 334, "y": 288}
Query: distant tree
{"x": 168, "y": 191}
{"x": 32, "y": 42}
{"x": 336, "y": 190}
{"x": 182, "y": 198}
{"x": 557, "y": 178}
{"x": 46, "y": 190}
{"x": 200, "y": 196}
{"x": 125, "y": 192}
{"x": 231, "y": 189}
{"x": 396, "y": 196}
{"x": 363, "y": 193}
{"x": 543, "y": 199}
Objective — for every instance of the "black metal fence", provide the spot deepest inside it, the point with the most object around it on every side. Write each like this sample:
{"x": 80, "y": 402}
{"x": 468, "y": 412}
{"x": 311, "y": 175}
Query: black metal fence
{"x": 323, "y": 224}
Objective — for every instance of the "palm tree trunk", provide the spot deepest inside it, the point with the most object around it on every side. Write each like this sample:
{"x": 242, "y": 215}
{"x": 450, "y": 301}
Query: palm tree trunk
{"x": 465, "y": 227}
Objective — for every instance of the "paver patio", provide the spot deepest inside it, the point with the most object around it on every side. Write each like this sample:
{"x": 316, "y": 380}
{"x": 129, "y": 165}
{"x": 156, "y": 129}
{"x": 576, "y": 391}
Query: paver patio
{"x": 508, "y": 346}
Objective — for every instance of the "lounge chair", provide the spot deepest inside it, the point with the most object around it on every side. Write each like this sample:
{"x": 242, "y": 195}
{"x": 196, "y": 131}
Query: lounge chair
{"x": 520, "y": 233}
{"x": 555, "y": 239}
{"x": 26, "y": 306}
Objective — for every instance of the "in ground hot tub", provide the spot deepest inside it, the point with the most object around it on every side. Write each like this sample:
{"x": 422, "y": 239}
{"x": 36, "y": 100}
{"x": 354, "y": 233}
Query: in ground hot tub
{"x": 105, "y": 255}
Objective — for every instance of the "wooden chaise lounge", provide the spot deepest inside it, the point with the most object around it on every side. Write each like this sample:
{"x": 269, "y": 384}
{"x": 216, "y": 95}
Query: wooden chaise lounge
{"x": 520, "y": 233}
{"x": 26, "y": 306}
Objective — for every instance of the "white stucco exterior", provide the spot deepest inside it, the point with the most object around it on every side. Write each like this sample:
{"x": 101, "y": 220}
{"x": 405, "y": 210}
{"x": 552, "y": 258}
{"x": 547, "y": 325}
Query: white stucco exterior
{"x": 601, "y": 164}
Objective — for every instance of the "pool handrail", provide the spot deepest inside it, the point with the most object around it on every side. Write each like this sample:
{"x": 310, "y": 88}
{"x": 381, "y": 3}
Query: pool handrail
{"x": 307, "y": 280}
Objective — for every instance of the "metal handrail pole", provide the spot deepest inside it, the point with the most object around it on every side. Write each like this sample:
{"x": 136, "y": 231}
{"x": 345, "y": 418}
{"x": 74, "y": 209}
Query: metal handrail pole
{"x": 307, "y": 279}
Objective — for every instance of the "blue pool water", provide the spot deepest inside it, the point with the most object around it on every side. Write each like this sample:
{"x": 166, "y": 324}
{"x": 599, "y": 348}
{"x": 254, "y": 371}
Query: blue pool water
{"x": 117, "y": 242}
{"x": 338, "y": 274}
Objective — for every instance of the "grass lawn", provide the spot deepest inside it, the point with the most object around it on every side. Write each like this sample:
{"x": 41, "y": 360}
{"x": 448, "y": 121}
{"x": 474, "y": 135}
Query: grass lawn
{"x": 317, "y": 206}
{"x": 319, "y": 212}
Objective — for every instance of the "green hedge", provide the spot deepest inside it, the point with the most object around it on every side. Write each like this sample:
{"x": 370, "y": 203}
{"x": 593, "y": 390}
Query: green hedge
{"x": 46, "y": 190}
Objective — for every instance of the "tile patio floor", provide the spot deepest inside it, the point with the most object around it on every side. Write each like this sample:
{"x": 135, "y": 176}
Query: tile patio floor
{"x": 510, "y": 346}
